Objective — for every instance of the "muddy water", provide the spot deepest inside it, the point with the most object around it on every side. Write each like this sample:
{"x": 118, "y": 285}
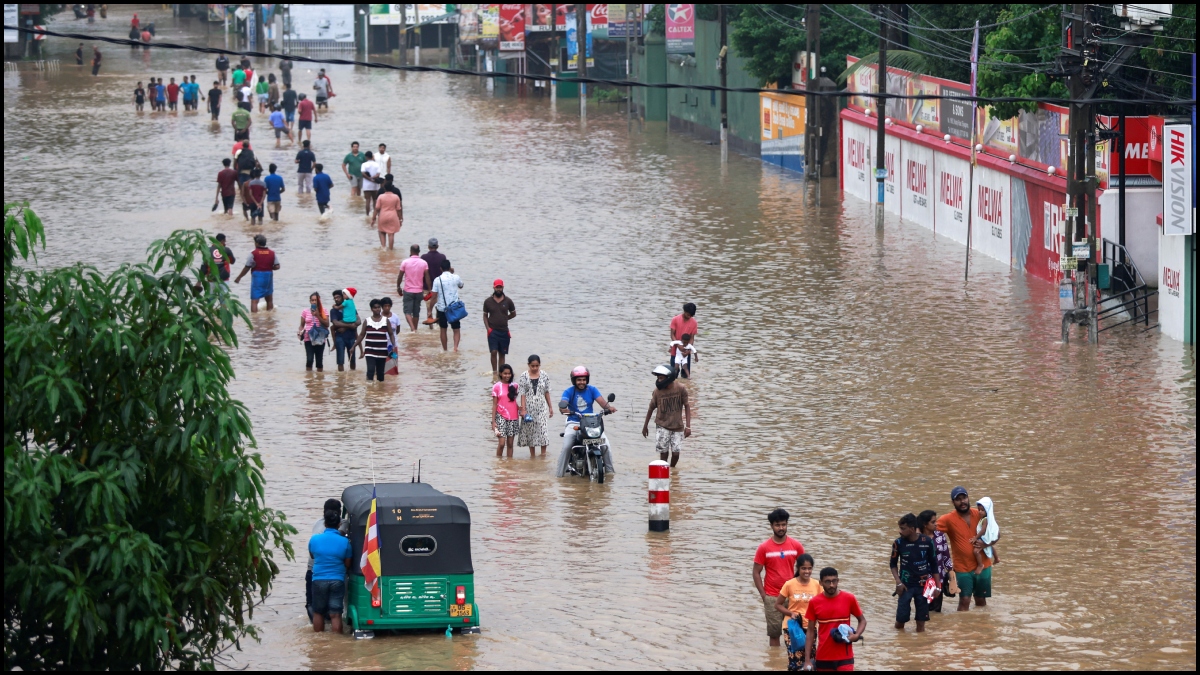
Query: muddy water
{"x": 846, "y": 375}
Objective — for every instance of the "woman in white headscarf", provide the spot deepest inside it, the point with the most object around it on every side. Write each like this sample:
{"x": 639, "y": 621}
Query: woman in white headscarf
{"x": 988, "y": 530}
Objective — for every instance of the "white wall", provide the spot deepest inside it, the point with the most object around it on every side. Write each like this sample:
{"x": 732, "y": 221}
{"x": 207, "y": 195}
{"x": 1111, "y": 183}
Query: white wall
{"x": 858, "y": 161}
{"x": 952, "y": 187}
{"x": 1142, "y": 206}
{"x": 991, "y": 225}
{"x": 918, "y": 183}
{"x": 1171, "y": 252}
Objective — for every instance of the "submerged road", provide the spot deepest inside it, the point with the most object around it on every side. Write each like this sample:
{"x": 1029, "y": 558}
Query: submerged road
{"x": 848, "y": 376}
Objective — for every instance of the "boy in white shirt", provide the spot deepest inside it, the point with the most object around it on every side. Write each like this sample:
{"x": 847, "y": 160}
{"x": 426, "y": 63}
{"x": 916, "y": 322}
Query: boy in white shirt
{"x": 685, "y": 352}
{"x": 370, "y": 180}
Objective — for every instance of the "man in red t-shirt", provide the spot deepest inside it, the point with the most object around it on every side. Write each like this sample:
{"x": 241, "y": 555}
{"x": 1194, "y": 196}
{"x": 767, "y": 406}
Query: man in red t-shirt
{"x": 777, "y": 556}
{"x": 684, "y": 324}
{"x": 306, "y": 112}
{"x": 227, "y": 185}
{"x": 825, "y": 614}
{"x": 173, "y": 94}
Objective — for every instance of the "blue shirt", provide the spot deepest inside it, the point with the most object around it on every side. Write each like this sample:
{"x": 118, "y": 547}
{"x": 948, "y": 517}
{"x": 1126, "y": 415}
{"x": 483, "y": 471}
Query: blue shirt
{"x": 277, "y": 120}
{"x": 190, "y": 90}
{"x": 580, "y": 401}
{"x": 274, "y": 183}
{"x": 322, "y": 184}
{"x": 330, "y": 551}
{"x": 160, "y": 92}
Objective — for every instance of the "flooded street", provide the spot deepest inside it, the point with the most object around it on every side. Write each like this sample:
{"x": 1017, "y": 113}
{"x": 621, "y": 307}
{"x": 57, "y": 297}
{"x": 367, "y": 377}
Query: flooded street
{"x": 847, "y": 375}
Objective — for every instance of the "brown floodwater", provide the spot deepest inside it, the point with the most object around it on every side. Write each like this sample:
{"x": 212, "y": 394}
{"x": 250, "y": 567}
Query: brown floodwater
{"x": 847, "y": 375}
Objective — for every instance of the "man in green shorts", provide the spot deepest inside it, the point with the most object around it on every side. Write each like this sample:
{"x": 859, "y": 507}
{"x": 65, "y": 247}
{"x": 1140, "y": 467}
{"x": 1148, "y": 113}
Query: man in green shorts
{"x": 240, "y": 119}
{"x": 974, "y": 581}
{"x": 352, "y": 167}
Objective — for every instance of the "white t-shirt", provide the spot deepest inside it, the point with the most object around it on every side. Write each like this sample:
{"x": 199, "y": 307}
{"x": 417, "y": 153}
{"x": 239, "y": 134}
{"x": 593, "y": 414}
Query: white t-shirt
{"x": 247, "y": 94}
{"x": 383, "y": 158}
{"x": 395, "y": 320}
{"x": 446, "y": 286}
{"x": 370, "y": 168}
{"x": 682, "y": 353}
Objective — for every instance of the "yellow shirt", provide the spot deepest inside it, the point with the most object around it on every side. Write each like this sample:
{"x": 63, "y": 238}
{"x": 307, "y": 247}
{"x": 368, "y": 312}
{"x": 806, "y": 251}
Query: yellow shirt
{"x": 798, "y": 594}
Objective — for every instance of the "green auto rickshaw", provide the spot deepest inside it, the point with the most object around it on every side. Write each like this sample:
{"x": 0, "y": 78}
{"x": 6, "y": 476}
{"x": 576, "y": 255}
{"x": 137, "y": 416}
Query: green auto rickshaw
{"x": 426, "y": 579}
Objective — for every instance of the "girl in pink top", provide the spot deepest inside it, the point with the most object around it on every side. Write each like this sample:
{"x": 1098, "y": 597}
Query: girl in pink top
{"x": 311, "y": 317}
{"x": 506, "y": 422}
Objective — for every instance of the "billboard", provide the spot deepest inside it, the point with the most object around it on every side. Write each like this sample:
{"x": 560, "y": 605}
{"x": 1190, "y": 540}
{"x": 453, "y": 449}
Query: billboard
{"x": 322, "y": 22}
{"x": 389, "y": 15}
{"x": 950, "y": 210}
{"x": 681, "y": 29}
{"x": 538, "y": 18}
{"x": 489, "y": 22}
{"x": 858, "y": 161}
{"x": 991, "y": 224}
{"x": 10, "y": 19}
{"x": 512, "y": 28}
{"x": 468, "y": 23}
{"x": 1179, "y": 208}
{"x": 916, "y": 184}
{"x": 1037, "y": 217}
{"x": 893, "y": 178}
{"x": 618, "y": 27}
{"x": 782, "y": 141}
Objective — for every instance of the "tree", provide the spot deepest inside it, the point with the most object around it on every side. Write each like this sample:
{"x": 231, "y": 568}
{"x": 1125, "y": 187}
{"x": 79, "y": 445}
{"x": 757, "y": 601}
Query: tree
{"x": 1170, "y": 55}
{"x": 769, "y": 36}
{"x": 135, "y": 534}
{"x": 1014, "y": 56}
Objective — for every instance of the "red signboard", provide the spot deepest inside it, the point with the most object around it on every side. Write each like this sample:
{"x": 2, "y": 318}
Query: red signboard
{"x": 512, "y": 28}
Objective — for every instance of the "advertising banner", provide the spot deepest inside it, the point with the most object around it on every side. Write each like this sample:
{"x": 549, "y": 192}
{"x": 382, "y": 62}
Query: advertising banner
{"x": 991, "y": 225}
{"x": 858, "y": 162}
{"x": 1172, "y": 311}
{"x": 1037, "y": 229}
{"x": 489, "y": 22}
{"x": 389, "y": 15}
{"x": 925, "y": 113}
{"x": 997, "y": 134}
{"x": 468, "y": 23}
{"x": 955, "y": 115}
{"x": 322, "y": 22}
{"x": 916, "y": 184}
{"x": 620, "y": 24}
{"x": 512, "y": 28}
{"x": 782, "y": 140}
{"x": 597, "y": 17}
{"x": 950, "y": 210}
{"x": 1179, "y": 209}
{"x": 891, "y": 184}
{"x": 11, "y": 18}
{"x": 573, "y": 45}
{"x": 1038, "y": 138}
{"x": 681, "y": 29}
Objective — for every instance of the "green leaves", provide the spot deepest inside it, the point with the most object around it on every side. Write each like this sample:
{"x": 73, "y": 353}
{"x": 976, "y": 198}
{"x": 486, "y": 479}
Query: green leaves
{"x": 1011, "y": 52}
{"x": 135, "y": 530}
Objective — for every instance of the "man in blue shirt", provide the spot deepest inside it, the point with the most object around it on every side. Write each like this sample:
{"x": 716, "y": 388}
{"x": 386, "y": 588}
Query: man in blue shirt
{"x": 304, "y": 167}
{"x": 279, "y": 124}
{"x": 322, "y": 184}
{"x": 275, "y": 187}
{"x": 579, "y": 398}
{"x": 330, "y": 552}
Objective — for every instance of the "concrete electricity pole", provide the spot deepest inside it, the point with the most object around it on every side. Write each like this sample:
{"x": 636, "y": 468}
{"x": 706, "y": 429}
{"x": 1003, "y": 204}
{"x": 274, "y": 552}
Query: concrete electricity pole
{"x": 629, "y": 29}
{"x": 403, "y": 35}
{"x": 722, "y": 61}
{"x": 812, "y": 106}
{"x": 881, "y": 110}
{"x": 581, "y": 56}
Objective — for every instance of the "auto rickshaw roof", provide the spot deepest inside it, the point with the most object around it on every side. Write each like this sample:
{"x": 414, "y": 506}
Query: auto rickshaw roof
{"x": 404, "y": 503}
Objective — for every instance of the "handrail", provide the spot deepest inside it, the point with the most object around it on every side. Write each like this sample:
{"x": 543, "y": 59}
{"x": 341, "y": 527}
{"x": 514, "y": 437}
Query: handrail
{"x": 1125, "y": 258}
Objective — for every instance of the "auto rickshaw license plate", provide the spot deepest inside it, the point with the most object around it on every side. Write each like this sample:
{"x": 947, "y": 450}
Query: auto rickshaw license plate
{"x": 460, "y": 610}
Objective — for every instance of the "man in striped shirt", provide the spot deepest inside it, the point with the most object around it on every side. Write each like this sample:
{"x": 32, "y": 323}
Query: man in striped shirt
{"x": 373, "y": 339}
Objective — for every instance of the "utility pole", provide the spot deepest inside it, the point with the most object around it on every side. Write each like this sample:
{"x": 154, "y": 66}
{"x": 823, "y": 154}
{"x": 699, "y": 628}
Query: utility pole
{"x": 812, "y": 31}
{"x": 721, "y": 63}
{"x": 881, "y": 112}
{"x": 629, "y": 29}
{"x": 403, "y": 34}
{"x": 581, "y": 56}
{"x": 258, "y": 27}
{"x": 554, "y": 55}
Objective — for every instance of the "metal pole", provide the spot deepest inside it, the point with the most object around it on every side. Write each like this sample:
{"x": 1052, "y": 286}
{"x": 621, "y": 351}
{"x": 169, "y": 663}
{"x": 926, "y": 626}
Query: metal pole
{"x": 809, "y": 99}
{"x": 722, "y": 62}
{"x": 581, "y": 56}
{"x": 417, "y": 31}
{"x": 628, "y": 60}
{"x": 881, "y": 110}
{"x": 1121, "y": 188}
{"x": 404, "y": 34}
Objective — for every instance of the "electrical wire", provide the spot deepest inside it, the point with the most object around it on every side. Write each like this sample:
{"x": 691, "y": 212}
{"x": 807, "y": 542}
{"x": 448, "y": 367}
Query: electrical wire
{"x": 125, "y": 42}
{"x": 1164, "y": 15}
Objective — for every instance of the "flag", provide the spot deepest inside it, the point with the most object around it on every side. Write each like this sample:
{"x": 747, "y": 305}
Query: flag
{"x": 370, "y": 553}
{"x": 974, "y": 88}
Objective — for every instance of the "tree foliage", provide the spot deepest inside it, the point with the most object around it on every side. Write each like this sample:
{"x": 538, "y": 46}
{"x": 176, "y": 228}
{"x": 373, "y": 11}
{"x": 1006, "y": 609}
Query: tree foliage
{"x": 135, "y": 530}
{"x": 1035, "y": 39}
{"x": 769, "y": 36}
{"x": 1171, "y": 53}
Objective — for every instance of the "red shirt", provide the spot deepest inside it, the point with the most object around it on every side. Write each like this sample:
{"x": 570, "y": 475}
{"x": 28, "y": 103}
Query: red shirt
{"x": 172, "y": 92}
{"x": 829, "y": 613}
{"x": 780, "y": 562}
{"x": 227, "y": 179}
{"x": 305, "y": 108}
{"x": 679, "y": 326}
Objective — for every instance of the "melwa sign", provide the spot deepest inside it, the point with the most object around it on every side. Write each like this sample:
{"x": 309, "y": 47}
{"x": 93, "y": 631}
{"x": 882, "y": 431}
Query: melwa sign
{"x": 681, "y": 29}
{"x": 1179, "y": 208}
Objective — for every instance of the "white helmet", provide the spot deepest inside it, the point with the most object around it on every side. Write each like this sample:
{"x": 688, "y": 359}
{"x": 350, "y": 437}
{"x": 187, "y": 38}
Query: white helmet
{"x": 663, "y": 370}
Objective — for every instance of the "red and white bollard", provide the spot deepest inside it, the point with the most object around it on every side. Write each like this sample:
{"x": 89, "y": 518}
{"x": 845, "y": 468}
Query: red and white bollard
{"x": 660, "y": 496}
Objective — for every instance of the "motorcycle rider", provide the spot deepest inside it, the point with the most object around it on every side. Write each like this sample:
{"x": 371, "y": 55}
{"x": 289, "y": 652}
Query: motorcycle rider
{"x": 578, "y": 398}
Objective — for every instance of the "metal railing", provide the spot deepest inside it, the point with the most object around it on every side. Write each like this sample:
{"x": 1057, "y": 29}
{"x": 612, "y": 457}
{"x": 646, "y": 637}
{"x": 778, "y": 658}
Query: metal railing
{"x": 1134, "y": 299}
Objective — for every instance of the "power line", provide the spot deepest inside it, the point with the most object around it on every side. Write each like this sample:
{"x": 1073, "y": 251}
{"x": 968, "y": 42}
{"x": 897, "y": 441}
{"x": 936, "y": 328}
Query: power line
{"x": 1164, "y": 15}
{"x": 125, "y": 42}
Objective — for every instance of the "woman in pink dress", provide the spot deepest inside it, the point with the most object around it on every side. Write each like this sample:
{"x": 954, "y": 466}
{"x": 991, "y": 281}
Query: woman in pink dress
{"x": 389, "y": 213}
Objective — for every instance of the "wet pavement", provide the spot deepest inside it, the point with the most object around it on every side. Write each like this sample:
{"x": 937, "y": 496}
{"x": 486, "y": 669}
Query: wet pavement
{"x": 846, "y": 375}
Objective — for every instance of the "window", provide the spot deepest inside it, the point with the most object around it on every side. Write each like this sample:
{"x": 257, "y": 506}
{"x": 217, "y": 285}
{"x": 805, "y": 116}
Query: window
{"x": 418, "y": 544}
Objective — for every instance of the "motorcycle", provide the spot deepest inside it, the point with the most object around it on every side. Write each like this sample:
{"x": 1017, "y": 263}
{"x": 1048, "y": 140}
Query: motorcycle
{"x": 587, "y": 454}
